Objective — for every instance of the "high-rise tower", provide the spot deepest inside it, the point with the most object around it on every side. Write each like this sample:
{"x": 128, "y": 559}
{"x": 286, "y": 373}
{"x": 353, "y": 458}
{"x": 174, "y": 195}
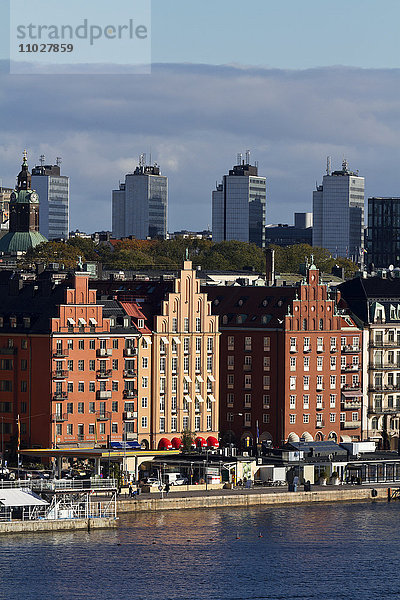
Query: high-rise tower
{"x": 338, "y": 213}
{"x": 238, "y": 205}
{"x": 139, "y": 206}
{"x": 53, "y": 190}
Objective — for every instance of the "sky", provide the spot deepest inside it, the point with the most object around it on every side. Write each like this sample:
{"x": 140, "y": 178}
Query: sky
{"x": 290, "y": 81}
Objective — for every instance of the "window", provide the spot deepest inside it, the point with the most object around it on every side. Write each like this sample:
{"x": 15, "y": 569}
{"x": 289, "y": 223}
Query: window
{"x": 162, "y": 364}
{"x": 144, "y": 402}
{"x": 186, "y": 325}
{"x": 332, "y": 417}
{"x": 333, "y": 343}
{"x": 292, "y": 363}
{"x": 307, "y": 344}
{"x": 209, "y": 422}
{"x": 185, "y": 423}
{"x": 114, "y": 386}
{"x": 247, "y": 381}
{"x": 144, "y": 343}
{"x": 115, "y": 364}
{"x": 24, "y": 344}
{"x": 247, "y": 343}
{"x": 355, "y": 380}
{"x": 320, "y": 403}
{"x": 70, "y": 387}
{"x": 247, "y": 400}
{"x": 356, "y": 342}
{"x": 293, "y": 344}
{"x": 92, "y": 365}
{"x": 247, "y": 360}
{"x": 70, "y": 408}
{"x": 174, "y": 423}
{"x": 198, "y": 344}
{"x": 332, "y": 400}
{"x": 197, "y": 423}
{"x": 231, "y": 342}
{"x": 70, "y": 365}
{"x": 59, "y": 429}
{"x": 332, "y": 380}
{"x": 186, "y": 364}
{"x": 174, "y": 324}
{"x": 92, "y": 344}
{"x": 92, "y": 386}
{"x": 174, "y": 365}
{"x": 198, "y": 364}
{"x": 209, "y": 344}
{"x": 231, "y": 380}
{"x": 24, "y": 364}
{"x": 103, "y": 344}
{"x": 173, "y": 403}
{"x": 266, "y": 401}
{"x": 333, "y": 363}
{"x": 306, "y": 418}
{"x": 186, "y": 345}
{"x": 24, "y": 386}
{"x": 91, "y": 428}
{"x": 81, "y": 345}
{"x": 306, "y": 363}
{"x": 306, "y": 401}
{"x": 320, "y": 382}
{"x": 292, "y": 419}
{"x": 292, "y": 402}
{"x": 81, "y": 408}
{"x": 145, "y": 382}
{"x": 145, "y": 362}
{"x": 342, "y": 417}
{"x": 174, "y": 346}
{"x": 162, "y": 347}
{"x": 114, "y": 406}
{"x": 91, "y": 407}
{"x": 230, "y": 360}
{"x": 198, "y": 324}
{"x": 320, "y": 344}
{"x": 319, "y": 363}
{"x": 267, "y": 363}
{"x": 247, "y": 419}
{"x": 266, "y": 418}
{"x": 230, "y": 398}
{"x": 162, "y": 424}
{"x": 266, "y": 382}
{"x": 70, "y": 429}
{"x": 102, "y": 428}
{"x": 144, "y": 422}
{"x": 267, "y": 344}
{"x": 81, "y": 386}
{"x": 115, "y": 344}
{"x": 81, "y": 365}
{"x": 306, "y": 382}
{"x": 292, "y": 384}
{"x": 354, "y": 416}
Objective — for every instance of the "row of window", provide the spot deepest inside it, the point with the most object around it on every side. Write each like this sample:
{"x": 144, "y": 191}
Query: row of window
{"x": 320, "y": 381}
{"x": 92, "y": 427}
{"x": 248, "y": 380}
{"x": 248, "y": 343}
{"x": 82, "y": 344}
{"x": 230, "y": 399}
{"x": 306, "y": 401}
{"x": 248, "y": 360}
{"x": 91, "y": 387}
{"x": 185, "y": 423}
{"x": 345, "y": 342}
{"x": 186, "y": 344}
{"x": 186, "y": 364}
{"x": 320, "y": 363}
{"x": 319, "y": 418}
{"x": 103, "y": 365}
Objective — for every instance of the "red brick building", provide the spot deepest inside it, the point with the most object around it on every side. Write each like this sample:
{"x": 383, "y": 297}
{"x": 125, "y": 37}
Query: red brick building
{"x": 290, "y": 364}
{"x": 68, "y": 363}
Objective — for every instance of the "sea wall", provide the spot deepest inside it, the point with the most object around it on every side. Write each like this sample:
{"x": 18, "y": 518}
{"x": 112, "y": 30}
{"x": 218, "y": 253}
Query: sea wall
{"x": 247, "y": 499}
{"x": 56, "y": 525}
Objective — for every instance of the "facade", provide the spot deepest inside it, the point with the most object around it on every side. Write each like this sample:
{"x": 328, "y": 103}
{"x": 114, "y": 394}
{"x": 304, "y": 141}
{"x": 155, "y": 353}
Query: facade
{"x": 238, "y": 206}
{"x": 53, "y": 190}
{"x": 178, "y": 358}
{"x": 139, "y": 206}
{"x": 5, "y": 195}
{"x": 376, "y": 303}
{"x": 383, "y": 244}
{"x": 338, "y": 213}
{"x": 287, "y": 235}
{"x": 68, "y": 364}
{"x": 24, "y": 216}
{"x": 290, "y": 364}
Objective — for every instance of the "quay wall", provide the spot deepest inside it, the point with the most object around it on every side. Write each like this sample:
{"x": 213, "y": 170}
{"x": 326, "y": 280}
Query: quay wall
{"x": 56, "y": 525}
{"x": 252, "y": 499}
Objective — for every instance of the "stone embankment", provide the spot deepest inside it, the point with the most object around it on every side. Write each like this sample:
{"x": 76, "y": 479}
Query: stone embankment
{"x": 247, "y": 498}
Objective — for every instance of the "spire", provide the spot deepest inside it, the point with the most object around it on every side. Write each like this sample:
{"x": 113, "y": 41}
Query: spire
{"x": 24, "y": 177}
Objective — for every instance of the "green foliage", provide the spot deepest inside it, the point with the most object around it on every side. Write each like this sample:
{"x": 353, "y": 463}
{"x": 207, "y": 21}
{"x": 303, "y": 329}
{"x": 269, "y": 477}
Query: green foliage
{"x": 288, "y": 259}
{"x": 187, "y": 440}
{"x": 53, "y": 252}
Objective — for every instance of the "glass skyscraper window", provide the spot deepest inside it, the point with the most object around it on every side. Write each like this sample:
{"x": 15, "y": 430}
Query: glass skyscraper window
{"x": 53, "y": 190}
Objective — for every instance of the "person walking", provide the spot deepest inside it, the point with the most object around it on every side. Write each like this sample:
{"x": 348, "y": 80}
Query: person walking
{"x": 167, "y": 488}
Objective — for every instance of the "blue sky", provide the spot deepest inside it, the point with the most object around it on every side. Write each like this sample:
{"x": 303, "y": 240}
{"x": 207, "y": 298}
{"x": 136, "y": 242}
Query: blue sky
{"x": 291, "y": 81}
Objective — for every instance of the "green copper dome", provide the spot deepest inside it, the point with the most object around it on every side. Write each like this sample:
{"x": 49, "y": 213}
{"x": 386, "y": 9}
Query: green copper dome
{"x": 21, "y": 241}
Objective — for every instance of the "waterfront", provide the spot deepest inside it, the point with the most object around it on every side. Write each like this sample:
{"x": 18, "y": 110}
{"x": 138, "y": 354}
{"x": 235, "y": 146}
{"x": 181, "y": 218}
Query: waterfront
{"x": 305, "y": 552}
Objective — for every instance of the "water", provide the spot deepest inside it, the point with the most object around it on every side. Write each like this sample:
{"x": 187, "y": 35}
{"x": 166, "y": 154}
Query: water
{"x": 327, "y": 552}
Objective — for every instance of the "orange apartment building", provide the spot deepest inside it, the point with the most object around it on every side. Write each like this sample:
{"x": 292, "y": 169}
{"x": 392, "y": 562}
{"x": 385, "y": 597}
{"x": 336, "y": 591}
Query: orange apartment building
{"x": 290, "y": 364}
{"x": 68, "y": 364}
{"x": 178, "y": 358}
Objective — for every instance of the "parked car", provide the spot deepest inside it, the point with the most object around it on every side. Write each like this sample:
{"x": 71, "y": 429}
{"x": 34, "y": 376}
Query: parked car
{"x": 180, "y": 481}
{"x": 152, "y": 481}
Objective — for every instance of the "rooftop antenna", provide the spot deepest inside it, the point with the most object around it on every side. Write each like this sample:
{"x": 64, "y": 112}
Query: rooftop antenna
{"x": 328, "y": 165}
{"x": 247, "y": 157}
{"x": 58, "y": 161}
{"x": 239, "y": 158}
{"x": 42, "y": 159}
{"x": 345, "y": 164}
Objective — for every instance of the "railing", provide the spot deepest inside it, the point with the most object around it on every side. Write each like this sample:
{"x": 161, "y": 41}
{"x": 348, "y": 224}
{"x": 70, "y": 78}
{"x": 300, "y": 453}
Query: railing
{"x": 103, "y": 394}
{"x": 60, "y": 374}
{"x": 350, "y": 349}
{"x": 59, "y": 418}
{"x": 351, "y": 388}
{"x": 319, "y": 424}
{"x": 61, "y": 353}
{"x": 378, "y": 410}
{"x": 351, "y": 405}
{"x": 350, "y": 368}
{"x": 104, "y": 352}
{"x": 103, "y": 416}
{"x": 130, "y": 393}
{"x": 42, "y": 485}
{"x": 130, "y": 351}
{"x": 130, "y": 373}
{"x": 104, "y": 374}
{"x": 350, "y": 424}
{"x": 60, "y": 396}
{"x": 129, "y": 415}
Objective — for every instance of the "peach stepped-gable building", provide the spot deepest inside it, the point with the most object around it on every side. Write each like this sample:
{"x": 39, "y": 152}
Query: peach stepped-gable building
{"x": 290, "y": 364}
{"x": 178, "y": 358}
{"x": 68, "y": 364}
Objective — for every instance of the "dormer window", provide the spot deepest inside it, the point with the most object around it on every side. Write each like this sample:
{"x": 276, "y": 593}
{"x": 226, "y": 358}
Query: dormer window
{"x": 140, "y": 323}
{"x": 27, "y": 322}
{"x": 13, "y": 321}
{"x": 126, "y": 321}
{"x": 1, "y": 321}
{"x": 112, "y": 321}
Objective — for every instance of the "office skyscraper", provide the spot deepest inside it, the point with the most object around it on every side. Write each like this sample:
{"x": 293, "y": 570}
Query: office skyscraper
{"x": 338, "y": 213}
{"x": 238, "y": 205}
{"x": 139, "y": 206}
{"x": 383, "y": 243}
{"x": 53, "y": 190}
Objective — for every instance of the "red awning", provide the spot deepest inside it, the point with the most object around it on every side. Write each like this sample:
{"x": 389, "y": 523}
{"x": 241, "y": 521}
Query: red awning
{"x": 176, "y": 443}
{"x": 164, "y": 444}
{"x": 199, "y": 441}
{"x": 212, "y": 442}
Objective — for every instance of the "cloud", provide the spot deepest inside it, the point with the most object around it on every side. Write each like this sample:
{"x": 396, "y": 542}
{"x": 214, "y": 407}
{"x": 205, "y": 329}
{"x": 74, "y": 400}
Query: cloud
{"x": 193, "y": 119}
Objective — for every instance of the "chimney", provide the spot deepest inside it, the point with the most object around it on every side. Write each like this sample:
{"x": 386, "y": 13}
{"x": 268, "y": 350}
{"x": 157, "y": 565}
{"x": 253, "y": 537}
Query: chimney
{"x": 269, "y": 266}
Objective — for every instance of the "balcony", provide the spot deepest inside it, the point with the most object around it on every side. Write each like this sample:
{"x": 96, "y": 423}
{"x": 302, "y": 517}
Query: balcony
{"x": 130, "y": 394}
{"x": 104, "y": 374}
{"x": 246, "y": 367}
{"x": 59, "y": 396}
{"x": 350, "y": 424}
{"x": 333, "y": 349}
{"x": 293, "y": 349}
{"x": 129, "y": 373}
{"x": 60, "y": 374}
{"x": 347, "y": 387}
{"x": 384, "y": 343}
{"x": 350, "y": 349}
{"x": 349, "y": 368}
{"x": 61, "y": 353}
{"x": 351, "y": 405}
{"x": 319, "y": 424}
{"x": 104, "y": 352}
{"x": 382, "y": 366}
{"x": 103, "y": 394}
{"x": 130, "y": 351}
{"x": 378, "y": 410}
{"x": 129, "y": 415}
{"x": 59, "y": 417}
{"x": 103, "y": 416}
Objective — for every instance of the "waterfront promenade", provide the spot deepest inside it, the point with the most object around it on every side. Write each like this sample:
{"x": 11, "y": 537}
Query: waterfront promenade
{"x": 258, "y": 496}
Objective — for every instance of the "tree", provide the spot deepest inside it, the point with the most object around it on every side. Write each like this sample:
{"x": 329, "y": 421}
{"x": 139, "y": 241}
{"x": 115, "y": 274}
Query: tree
{"x": 187, "y": 440}
{"x": 53, "y": 252}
